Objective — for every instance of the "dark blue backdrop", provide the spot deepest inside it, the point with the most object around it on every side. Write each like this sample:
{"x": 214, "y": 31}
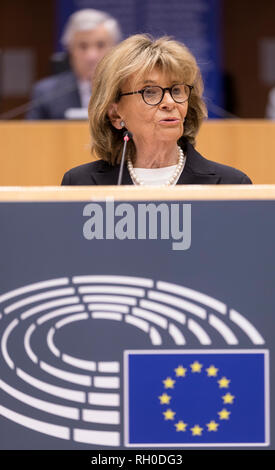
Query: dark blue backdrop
{"x": 231, "y": 259}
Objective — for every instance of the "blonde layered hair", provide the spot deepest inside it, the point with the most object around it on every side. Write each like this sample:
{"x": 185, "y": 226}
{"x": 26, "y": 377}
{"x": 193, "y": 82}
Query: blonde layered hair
{"x": 137, "y": 56}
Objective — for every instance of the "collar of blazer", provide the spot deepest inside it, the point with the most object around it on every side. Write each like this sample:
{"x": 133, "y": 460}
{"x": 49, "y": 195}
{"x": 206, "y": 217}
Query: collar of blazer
{"x": 197, "y": 170}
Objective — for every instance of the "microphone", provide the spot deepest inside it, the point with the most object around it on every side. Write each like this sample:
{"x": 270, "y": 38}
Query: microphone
{"x": 126, "y": 137}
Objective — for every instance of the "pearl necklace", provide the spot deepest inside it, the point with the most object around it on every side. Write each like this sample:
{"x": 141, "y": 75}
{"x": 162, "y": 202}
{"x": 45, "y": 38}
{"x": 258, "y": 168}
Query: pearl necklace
{"x": 170, "y": 182}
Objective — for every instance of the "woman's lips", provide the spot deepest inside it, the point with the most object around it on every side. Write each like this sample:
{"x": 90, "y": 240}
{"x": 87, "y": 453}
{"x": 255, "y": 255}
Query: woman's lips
{"x": 170, "y": 121}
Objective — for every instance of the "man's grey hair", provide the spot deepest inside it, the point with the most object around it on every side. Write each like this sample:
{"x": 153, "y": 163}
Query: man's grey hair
{"x": 89, "y": 19}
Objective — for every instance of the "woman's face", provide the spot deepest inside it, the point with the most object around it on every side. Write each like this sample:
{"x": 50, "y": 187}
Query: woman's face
{"x": 162, "y": 122}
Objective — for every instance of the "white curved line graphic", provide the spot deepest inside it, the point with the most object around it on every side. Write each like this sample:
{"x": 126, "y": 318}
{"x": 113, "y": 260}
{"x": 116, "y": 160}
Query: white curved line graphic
{"x": 51, "y": 344}
{"x": 246, "y": 326}
{"x": 102, "y": 366}
{"x": 165, "y": 310}
{"x": 111, "y": 290}
{"x": 151, "y": 317}
{"x": 223, "y": 329}
{"x": 60, "y": 392}
{"x": 114, "y": 308}
{"x": 68, "y": 376}
{"x": 71, "y": 319}
{"x": 105, "y": 366}
{"x": 4, "y": 341}
{"x": 102, "y": 438}
{"x": 136, "y": 281}
{"x": 27, "y": 343}
{"x": 104, "y": 399}
{"x": 117, "y": 299}
{"x": 155, "y": 336}
{"x": 141, "y": 324}
{"x": 101, "y": 416}
{"x": 38, "y": 298}
{"x": 199, "y": 332}
{"x": 194, "y": 295}
{"x": 52, "y": 408}
{"x": 107, "y": 316}
{"x": 48, "y": 305}
{"x": 176, "y": 334}
{"x": 36, "y": 425}
{"x": 31, "y": 287}
{"x": 178, "y": 302}
{"x": 106, "y": 382}
{"x": 58, "y": 312}
{"x": 79, "y": 363}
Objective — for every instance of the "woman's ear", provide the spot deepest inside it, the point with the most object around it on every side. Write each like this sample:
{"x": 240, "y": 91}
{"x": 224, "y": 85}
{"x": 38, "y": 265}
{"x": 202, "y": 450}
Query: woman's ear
{"x": 114, "y": 116}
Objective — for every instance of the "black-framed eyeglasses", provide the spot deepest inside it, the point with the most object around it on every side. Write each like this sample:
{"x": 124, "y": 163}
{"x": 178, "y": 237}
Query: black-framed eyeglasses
{"x": 154, "y": 94}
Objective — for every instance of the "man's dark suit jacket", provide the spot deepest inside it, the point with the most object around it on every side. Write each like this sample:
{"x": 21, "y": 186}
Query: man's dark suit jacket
{"x": 52, "y": 96}
{"x": 197, "y": 170}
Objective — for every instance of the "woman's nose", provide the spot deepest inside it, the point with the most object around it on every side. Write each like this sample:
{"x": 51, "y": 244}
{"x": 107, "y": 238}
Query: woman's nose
{"x": 167, "y": 99}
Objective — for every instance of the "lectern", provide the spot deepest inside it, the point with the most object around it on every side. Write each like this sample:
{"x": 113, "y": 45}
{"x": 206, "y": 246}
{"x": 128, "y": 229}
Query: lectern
{"x": 137, "y": 317}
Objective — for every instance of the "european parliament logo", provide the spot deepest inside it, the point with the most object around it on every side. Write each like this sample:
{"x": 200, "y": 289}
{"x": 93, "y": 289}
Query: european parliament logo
{"x": 66, "y": 370}
{"x": 196, "y": 398}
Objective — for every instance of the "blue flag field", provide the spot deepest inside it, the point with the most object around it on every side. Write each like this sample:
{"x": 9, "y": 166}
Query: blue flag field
{"x": 191, "y": 398}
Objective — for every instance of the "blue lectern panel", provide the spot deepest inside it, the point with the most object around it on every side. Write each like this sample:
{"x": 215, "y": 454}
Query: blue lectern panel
{"x": 117, "y": 334}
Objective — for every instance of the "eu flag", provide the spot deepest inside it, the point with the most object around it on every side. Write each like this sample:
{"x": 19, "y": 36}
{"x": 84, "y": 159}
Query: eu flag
{"x": 196, "y": 398}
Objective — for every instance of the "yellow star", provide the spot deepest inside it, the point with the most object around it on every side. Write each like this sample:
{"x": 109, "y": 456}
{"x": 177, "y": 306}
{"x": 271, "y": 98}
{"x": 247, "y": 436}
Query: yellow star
{"x": 164, "y": 399}
{"x": 180, "y": 371}
{"x": 196, "y": 366}
{"x": 228, "y": 398}
{"x": 196, "y": 430}
{"x": 212, "y": 426}
{"x": 168, "y": 414}
{"x": 224, "y": 414}
{"x": 224, "y": 382}
{"x": 181, "y": 426}
{"x": 168, "y": 383}
{"x": 212, "y": 371}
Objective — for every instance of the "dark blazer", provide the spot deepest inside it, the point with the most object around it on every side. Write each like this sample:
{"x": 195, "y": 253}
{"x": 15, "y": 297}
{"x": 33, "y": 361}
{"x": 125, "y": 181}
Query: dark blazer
{"x": 52, "y": 96}
{"x": 197, "y": 170}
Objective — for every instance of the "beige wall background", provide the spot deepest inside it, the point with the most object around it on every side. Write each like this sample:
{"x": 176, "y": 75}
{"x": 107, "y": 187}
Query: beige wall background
{"x": 39, "y": 153}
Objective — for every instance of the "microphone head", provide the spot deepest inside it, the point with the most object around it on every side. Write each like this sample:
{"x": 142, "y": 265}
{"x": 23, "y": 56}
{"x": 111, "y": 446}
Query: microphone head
{"x": 127, "y": 134}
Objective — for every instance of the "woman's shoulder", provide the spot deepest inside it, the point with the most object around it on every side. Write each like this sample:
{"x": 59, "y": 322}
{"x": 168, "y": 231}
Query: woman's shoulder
{"x": 83, "y": 175}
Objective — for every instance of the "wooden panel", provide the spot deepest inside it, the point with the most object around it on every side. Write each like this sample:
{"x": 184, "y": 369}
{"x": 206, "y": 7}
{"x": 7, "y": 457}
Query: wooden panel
{"x": 27, "y": 24}
{"x": 248, "y": 145}
{"x": 39, "y": 153}
{"x": 138, "y": 193}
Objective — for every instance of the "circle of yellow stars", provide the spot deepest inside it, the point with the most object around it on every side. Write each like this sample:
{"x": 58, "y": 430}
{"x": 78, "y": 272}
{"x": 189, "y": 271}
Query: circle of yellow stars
{"x": 196, "y": 429}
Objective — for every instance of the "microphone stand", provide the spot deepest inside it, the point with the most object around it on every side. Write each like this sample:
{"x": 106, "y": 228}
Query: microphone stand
{"x": 126, "y": 137}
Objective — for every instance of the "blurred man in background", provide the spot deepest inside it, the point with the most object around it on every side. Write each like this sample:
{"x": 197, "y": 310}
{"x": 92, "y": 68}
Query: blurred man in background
{"x": 270, "y": 108}
{"x": 87, "y": 36}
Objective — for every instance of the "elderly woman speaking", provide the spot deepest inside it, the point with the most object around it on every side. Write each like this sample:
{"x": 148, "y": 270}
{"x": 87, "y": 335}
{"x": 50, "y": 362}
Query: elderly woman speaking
{"x": 152, "y": 89}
